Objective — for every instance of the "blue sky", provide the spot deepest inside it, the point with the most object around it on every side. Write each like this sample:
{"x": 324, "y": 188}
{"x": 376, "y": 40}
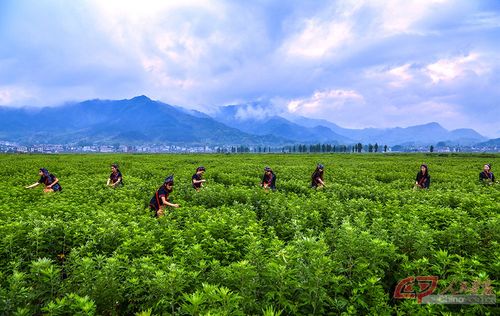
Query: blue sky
{"x": 356, "y": 63}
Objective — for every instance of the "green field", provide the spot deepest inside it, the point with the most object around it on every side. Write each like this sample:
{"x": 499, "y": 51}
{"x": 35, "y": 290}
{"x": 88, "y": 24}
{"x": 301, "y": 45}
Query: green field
{"x": 234, "y": 249}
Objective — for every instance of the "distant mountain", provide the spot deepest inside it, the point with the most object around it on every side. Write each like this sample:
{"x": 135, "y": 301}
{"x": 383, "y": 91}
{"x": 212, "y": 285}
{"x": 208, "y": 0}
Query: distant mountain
{"x": 136, "y": 121}
{"x": 490, "y": 143}
{"x": 309, "y": 122}
{"x": 426, "y": 134}
{"x": 143, "y": 121}
{"x": 249, "y": 120}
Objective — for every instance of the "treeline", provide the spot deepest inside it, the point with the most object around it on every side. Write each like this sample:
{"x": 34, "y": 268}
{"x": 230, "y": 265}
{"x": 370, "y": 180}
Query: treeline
{"x": 304, "y": 148}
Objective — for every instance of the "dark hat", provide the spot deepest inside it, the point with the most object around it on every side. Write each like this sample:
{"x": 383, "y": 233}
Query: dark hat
{"x": 169, "y": 179}
{"x": 320, "y": 166}
{"x": 200, "y": 168}
{"x": 114, "y": 165}
{"x": 267, "y": 168}
{"x": 44, "y": 171}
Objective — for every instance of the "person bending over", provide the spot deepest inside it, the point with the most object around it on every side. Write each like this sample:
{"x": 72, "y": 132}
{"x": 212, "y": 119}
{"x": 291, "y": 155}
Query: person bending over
{"x": 423, "y": 179}
{"x": 161, "y": 199}
{"x": 115, "y": 178}
{"x": 50, "y": 181}
{"x": 268, "y": 179}
{"x": 197, "y": 178}
{"x": 317, "y": 180}
{"x": 486, "y": 176}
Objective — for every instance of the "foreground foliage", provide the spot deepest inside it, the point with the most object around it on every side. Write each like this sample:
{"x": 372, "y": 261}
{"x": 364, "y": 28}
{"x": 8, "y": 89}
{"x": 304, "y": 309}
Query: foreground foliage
{"x": 234, "y": 249}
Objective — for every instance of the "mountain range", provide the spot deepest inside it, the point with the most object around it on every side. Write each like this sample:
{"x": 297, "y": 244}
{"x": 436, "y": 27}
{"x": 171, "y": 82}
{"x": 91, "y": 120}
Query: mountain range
{"x": 141, "y": 120}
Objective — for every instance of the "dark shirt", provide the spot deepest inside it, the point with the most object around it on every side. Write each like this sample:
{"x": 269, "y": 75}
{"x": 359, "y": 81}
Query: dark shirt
{"x": 196, "y": 177}
{"x": 47, "y": 180}
{"x": 270, "y": 180}
{"x": 314, "y": 179}
{"x": 156, "y": 201}
{"x": 487, "y": 176}
{"x": 115, "y": 176}
{"x": 424, "y": 181}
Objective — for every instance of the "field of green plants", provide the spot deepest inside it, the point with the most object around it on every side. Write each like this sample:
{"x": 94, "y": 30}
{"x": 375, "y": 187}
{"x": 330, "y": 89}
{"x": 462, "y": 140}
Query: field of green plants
{"x": 234, "y": 249}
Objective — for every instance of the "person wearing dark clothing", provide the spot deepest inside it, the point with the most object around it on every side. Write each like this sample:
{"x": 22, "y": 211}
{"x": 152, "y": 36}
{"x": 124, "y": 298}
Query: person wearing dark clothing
{"x": 269, "y": 179}
{"x": 317, "y": 180}
{"x": 486, "y": 175}
{"x": 423, "y": 179}
{"x": 197, "y": 179}
{"x": 50, "y": 181}
{"x": 161, "y": 199}
{"x": 115, "y": 178}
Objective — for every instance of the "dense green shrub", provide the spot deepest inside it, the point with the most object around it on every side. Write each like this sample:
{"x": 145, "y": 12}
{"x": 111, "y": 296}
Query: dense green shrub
{"x": 235, "y": 249}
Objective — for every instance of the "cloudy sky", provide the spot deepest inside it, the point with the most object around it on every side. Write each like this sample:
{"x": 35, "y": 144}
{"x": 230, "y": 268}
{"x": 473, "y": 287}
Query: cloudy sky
{"x": 357, "y": 63}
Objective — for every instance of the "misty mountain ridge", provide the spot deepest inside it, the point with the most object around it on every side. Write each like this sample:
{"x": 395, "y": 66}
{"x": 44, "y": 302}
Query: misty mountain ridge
{"x": 322, "y": 130}
{"x": 141, "y": 120}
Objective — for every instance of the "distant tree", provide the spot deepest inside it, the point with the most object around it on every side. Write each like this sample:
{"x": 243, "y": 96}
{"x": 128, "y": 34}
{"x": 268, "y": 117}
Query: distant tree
{"x": 385, "y": 148}
{"x": 359, "y": 147}
{"x": 370, "y": 148}
{"x": 431, "y": 149}
{"x": 375, "y": 148}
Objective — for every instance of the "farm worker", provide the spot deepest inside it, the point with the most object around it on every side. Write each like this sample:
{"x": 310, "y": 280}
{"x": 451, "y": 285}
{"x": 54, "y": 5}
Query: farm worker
{"x": 50, "y": 181}
{"x": 160, "y": 199}
{"x": 269, "y": 179}
{"x": 423, "y": 179}
{"x": 197, "y": 180}
{"x": 486, "y": 175}
{"x": 115, "y": 178}
{"x": 317, "y": 177}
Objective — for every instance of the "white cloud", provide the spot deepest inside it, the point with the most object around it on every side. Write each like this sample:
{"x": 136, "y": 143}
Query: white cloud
{"x": 445, "y": 70}
{"x": 452, "y": 68}
{"x": 14, "y": 95}
{"x": 254, "y": 112}
{"x": 201, "y": 54}
{"x": 318, "y": 38}
{"x": 346, "y": 26}
{"x": 395, "y": 77}
{"x": 398, "y": 17}
{"x": 323, "y": 101}
{"x": 401, "y": 72}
